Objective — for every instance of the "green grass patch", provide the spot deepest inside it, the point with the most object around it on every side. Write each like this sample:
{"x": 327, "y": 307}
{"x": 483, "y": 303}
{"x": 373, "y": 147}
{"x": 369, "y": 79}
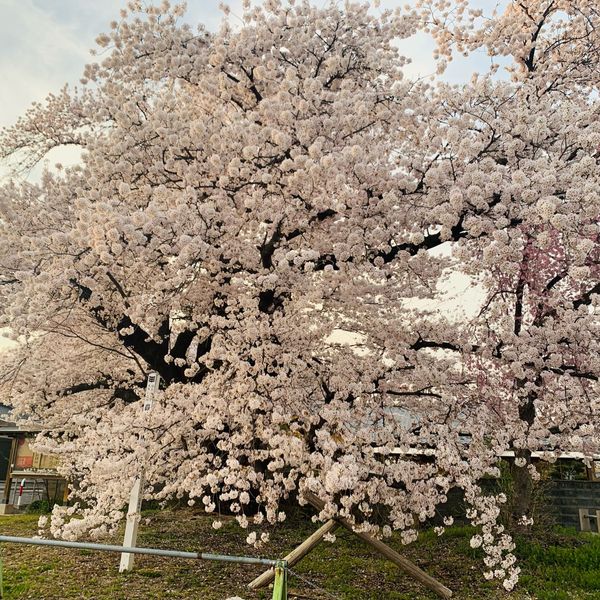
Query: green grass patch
{"x": 563, "y": 565}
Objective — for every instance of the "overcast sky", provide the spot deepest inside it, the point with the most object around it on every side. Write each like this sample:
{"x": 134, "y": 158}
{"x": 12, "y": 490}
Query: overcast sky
{"x": 45, "y": 44}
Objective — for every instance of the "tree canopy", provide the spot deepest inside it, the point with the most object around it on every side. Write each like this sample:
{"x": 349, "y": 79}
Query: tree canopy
{"x": 244, "y": 195}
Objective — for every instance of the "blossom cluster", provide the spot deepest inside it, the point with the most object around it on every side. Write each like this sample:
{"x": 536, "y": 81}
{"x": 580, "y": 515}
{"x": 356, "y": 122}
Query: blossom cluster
{"x": 265, "y": 216}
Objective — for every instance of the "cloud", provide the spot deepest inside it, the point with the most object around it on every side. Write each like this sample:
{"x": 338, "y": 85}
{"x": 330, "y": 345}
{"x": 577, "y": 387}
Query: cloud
{"x": 44, "y": 45}
{"x": 38, "y": 53}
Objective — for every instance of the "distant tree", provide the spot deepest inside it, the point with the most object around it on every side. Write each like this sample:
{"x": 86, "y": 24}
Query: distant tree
{"x": 244, "y": 195}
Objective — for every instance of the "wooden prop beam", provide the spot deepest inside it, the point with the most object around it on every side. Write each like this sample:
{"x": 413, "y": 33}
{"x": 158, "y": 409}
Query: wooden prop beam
{"x": 295, "y": 555}
{"x": 406, "y": 565}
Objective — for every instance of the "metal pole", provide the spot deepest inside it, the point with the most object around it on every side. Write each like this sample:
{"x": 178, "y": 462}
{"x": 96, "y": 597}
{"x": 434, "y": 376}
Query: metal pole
{"x": 249, "y": 560}
{"x": 137, "y": 491}
{"x": 21, "y": 489}
{"x": 280, "y": 583}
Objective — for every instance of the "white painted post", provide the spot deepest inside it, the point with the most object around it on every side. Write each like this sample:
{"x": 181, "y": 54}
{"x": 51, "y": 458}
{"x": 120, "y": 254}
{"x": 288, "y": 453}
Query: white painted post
{"x": 21, "y": 488}
{"x": 133, "y": 519}
{"x": 135, "y": 498}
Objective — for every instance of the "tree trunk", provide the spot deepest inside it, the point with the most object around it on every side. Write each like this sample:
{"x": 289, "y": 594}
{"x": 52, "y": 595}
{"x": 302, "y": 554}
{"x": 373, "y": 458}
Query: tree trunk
{"x": 522, "y": 490}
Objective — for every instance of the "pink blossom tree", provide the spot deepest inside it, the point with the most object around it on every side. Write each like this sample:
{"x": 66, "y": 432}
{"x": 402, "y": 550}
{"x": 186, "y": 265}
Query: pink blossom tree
{"x": 244, "y": 196}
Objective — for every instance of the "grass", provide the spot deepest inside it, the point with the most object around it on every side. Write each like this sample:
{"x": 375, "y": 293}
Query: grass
{"x": 557, "y": 570}
{"x": 561, "y": 566}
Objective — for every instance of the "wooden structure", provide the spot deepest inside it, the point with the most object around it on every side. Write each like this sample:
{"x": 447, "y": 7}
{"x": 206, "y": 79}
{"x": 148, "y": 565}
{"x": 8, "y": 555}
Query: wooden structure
{"x": 400, "y": 561}
{"x": 296, "y": 555}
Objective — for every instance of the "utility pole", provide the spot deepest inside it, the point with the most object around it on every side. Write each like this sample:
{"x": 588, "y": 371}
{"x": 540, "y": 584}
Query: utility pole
{"x": 137, "y": 491}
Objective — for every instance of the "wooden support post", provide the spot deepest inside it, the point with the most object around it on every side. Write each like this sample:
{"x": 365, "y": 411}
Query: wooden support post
{"x": 133, "y": 520}
{"x": 406, "y": 565}
{"x": 137, "y": 491}
{"x": 1, "y": 577}
{"x": 295, "y": 555}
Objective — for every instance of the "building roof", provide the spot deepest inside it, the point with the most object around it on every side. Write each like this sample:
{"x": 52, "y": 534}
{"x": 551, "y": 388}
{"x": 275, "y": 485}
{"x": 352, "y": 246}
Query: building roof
{"x": 9, "y": 426}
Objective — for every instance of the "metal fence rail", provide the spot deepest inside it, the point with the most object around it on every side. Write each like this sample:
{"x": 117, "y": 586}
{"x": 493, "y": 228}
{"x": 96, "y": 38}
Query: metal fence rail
{"x": 281, "y": 568}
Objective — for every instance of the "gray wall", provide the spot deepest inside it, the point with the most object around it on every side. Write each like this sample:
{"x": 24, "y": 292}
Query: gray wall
{"x": 565, "y": 498}
{"x": 562, "y": 499}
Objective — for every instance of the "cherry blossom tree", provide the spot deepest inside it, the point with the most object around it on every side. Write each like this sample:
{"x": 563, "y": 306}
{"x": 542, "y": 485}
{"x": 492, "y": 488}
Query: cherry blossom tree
{"x": 245, "y": 196}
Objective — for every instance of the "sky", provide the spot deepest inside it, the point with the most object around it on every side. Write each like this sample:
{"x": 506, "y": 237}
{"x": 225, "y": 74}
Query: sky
{"x": 46, "y": 43}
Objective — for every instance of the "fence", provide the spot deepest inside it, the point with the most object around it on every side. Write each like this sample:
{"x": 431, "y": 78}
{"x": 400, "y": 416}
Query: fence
{"x": 35, "y": 488}
{"x": 280, "y": 566}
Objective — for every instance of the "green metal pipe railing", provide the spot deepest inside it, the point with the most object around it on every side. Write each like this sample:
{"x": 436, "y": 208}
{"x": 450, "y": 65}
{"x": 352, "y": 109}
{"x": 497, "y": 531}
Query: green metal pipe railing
{"x": 281, "y": 568}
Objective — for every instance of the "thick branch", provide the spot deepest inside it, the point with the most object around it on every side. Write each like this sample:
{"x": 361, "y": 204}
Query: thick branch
{"x": 125, "y": 394}
{"x": 586, "y": 298}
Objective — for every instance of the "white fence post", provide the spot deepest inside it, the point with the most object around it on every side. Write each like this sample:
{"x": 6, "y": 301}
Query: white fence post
{"x": 137, "y": 491}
